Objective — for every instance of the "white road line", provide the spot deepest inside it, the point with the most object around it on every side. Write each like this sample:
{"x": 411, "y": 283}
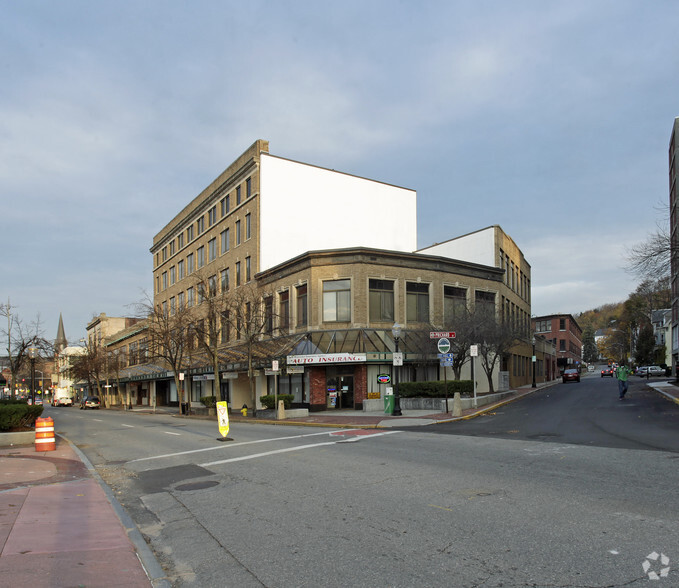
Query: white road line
{"x": 129, "y": 426}
{"x": 171, "y": 433}
{"x": 244, "y": 457}
{"x": 229, "y": 446}
{"x": 275, "y": 451}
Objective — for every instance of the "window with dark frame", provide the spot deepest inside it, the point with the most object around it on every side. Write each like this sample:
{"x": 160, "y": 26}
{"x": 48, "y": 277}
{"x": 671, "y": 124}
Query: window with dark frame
{"x": 417, "y": 302}
{"x": 381, "y": 300}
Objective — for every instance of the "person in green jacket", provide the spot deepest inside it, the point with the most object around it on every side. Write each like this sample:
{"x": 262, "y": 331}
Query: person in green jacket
{"x": 622, "y": 372}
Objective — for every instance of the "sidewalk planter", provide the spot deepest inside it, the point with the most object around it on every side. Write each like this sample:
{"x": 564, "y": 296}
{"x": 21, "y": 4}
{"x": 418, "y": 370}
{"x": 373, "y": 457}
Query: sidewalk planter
{"x": 19, "y": 438}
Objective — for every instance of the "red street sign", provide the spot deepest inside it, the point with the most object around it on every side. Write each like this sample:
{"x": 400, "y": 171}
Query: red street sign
{"x": 442, "y": 334}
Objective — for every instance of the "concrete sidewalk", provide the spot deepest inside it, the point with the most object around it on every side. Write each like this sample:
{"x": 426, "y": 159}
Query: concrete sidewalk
{"x": 61, "y": 526}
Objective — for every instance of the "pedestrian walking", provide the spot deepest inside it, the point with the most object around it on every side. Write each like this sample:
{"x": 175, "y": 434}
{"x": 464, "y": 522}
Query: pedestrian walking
{"x": 622, "y": 372}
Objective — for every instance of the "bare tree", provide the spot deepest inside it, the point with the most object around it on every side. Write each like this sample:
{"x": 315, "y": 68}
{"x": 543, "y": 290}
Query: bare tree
{"x": 247, "y": 317}
{"x": 90, "y": 366}
{"x": 20, "y": 339}
{"x": 209, "y": 326}
{"x": 170, "y": 337}
{"x": 651, "y": 258}
{"x": 495, "y": 338}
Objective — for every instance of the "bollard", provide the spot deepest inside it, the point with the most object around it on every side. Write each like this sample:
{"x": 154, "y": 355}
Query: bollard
{"x": 457, "y": 405}
{"x": 44, "y": 434}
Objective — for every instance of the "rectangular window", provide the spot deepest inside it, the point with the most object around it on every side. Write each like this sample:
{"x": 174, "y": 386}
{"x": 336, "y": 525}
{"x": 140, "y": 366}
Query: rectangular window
{"x": 268, "y": 315}
{"x": 485, "y": 302}
{"x": 381, "y": 300}
{"x": 202, "y": 294}
{"x": 173, "y": 306}
{"x": 237, "y": 232}
{"x": 225, "y": 280}
{"x": 237, "y": 274}
{"x": 164, "y": 280}
{"x": 212, "y": 249}
{"x": 173, "y": 275}
{"x": 417, "y": 302}
{"x": 181, "y": 300}
{"x": 226, "y": 205}
{"x": 200, "y": 257}
{"x": 226, "y": 327}
{"x": 248, "y": 187}
{"x": 212, "y": 286}
{"x": 200, "y": 225}
{"x": 337, "y": 300}
{"x": 212, "y": 216}
{"x": 237, "y": 195}
{"x": 284, "y": 310}
{"x": 454, "y": 303}
{"x": 247, "y": 227}
{"x": 301, "y": 306}
{"x": 180, "y": 240}
{"x": 157, "y": 284}
{"x": 544, "y": 326}
{"x": 190, "y": 297}
{"x": 225, "y": 240}
{"x": 562, "y": 324}
{"x": 562, "y": 344}
{"x": 172, "y": 248}
{"x": 189, "y": 264}
{"x": 180, "y": 270}
{"x": 189, "y": 234}
{"x": 164, "y": 253}
{"x": 248, "y": 269}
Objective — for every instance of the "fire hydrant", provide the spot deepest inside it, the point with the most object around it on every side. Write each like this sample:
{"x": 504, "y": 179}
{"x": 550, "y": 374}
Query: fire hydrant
{"x": 244, "y": 410}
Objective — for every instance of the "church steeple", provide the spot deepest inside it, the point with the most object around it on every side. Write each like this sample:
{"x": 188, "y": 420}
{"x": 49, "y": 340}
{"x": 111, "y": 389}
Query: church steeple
{"x": 60, "y": 343}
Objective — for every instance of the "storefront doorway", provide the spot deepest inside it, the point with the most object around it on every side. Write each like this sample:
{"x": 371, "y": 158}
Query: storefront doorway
{"x": 340, "y": 387}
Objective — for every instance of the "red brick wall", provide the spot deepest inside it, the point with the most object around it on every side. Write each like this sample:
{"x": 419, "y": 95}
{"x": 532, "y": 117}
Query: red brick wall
{"x": 317, "y": 393}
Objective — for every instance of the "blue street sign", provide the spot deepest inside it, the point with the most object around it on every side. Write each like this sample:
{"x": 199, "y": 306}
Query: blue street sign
{"x": 445, "y": 355}
{"x": 446, "y": 363}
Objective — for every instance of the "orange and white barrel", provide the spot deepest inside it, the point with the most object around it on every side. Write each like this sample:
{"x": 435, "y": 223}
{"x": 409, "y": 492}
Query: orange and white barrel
{"x": 44, "y": 434}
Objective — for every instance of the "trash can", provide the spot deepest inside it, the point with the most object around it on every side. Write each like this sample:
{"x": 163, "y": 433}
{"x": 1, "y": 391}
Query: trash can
{"x": 185, "y": 408}
{"x": 388, "y": 403}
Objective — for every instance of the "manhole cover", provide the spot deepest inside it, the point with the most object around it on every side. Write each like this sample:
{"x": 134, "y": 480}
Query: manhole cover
{"x": 197, "y": 485}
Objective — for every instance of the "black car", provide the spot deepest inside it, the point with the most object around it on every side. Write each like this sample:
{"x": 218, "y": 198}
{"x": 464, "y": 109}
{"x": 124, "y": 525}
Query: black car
{"x": 90, "y": 402}
{"x": 607, "y": 371}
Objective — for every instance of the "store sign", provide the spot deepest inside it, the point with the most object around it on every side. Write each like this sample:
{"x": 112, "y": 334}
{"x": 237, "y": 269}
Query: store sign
{"x": 326, "y": 358}
{"x": 383, "y": 379}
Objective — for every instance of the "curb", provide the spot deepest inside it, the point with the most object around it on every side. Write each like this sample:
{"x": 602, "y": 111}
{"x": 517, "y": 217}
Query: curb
{"x": 148, "y": 560}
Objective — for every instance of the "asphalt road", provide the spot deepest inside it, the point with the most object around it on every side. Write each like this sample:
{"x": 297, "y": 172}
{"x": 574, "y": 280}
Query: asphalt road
{"x": 519, "y": 498}
{"x": 585, "y": 413}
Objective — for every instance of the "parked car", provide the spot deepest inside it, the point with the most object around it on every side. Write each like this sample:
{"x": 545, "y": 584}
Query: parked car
{"x": 650, "y": 370}
{"x": 571, "y": 375}
{"x": 607, "y": 372}
{"x": 90, "y": 402}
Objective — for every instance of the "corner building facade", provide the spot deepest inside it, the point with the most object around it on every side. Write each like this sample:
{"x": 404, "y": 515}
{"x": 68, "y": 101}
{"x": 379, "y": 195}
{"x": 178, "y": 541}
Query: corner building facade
{"x": 320, "y": 248}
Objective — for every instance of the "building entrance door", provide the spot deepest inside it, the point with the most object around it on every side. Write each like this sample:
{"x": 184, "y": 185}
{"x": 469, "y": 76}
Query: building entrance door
{"x": 340, "y": 387}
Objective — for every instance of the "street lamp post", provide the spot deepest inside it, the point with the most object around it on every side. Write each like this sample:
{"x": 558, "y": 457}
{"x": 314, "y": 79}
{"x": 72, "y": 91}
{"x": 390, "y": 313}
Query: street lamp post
{"x": 32, "y": 354}
{"x": 396, "y": 333}
{"x": 534, "y": 360}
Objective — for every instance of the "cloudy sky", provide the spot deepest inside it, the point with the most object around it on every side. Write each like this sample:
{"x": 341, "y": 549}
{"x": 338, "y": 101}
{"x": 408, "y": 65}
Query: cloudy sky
{"x": 551, "y": 119}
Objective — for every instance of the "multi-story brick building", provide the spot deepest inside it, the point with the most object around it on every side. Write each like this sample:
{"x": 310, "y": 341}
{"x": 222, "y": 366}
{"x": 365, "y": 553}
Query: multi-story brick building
{"x": 332, "y": 258}
{"x": 564, "y": 331}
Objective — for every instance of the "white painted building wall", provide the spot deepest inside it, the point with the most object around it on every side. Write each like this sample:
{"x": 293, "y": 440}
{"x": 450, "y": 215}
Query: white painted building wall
{"x": 478, "y": 247}
{"x": 307, "y": 208}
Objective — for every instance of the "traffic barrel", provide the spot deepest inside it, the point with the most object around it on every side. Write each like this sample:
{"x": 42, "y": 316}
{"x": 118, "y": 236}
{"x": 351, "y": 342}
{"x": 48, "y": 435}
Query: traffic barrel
{"x": 44, "y": 434}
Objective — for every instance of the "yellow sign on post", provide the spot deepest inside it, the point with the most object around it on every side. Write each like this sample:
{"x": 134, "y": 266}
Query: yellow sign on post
{"x": 223, "y": 418}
